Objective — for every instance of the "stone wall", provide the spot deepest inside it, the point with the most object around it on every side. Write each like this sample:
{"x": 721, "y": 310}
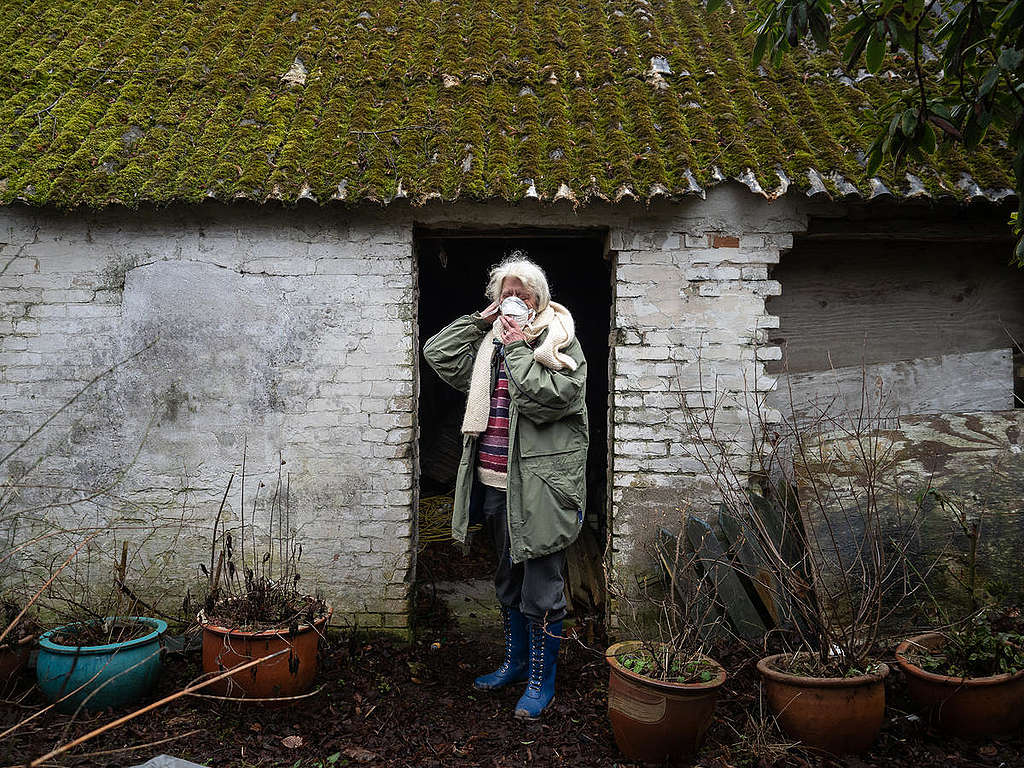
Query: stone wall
{"x": 295, "y": 331}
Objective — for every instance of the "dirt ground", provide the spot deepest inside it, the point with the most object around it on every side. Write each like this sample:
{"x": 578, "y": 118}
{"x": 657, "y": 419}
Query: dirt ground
{"x": 386, "y": 703}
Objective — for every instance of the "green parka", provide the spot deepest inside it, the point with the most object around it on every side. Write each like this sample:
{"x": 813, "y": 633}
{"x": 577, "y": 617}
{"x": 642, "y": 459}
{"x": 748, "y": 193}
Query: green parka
{"x": 548, "y": 439}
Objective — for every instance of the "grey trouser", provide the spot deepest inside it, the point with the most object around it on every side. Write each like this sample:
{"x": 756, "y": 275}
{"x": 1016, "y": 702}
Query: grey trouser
{"x": 536, "y": 586}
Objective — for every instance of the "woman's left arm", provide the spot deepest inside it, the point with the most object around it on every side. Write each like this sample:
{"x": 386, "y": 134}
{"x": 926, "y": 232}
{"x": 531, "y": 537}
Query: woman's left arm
{"x": 541, "y": 394}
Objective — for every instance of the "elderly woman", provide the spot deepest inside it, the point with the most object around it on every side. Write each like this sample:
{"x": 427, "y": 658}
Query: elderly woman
{"x": 524, "y": 456}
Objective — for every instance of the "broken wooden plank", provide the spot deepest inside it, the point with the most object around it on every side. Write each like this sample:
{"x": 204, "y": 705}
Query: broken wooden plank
{"x": 674, "y": 554}
{"x": 749, "y": 560}
{"x": 844, "y": 301}
{"x": 741, "y": 611}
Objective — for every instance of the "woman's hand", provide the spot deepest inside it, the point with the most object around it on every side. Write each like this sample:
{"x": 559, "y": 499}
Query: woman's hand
{"x": 490, "y": 312}
{"x": 510, "y": 331}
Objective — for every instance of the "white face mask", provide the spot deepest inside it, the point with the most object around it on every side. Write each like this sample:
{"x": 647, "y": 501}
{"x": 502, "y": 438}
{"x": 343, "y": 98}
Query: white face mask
{"x": 515, "y": 308}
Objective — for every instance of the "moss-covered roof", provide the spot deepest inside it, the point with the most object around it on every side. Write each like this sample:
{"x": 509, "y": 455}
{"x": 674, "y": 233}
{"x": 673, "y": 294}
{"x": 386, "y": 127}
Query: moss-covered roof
{"x": 163, "y": 100}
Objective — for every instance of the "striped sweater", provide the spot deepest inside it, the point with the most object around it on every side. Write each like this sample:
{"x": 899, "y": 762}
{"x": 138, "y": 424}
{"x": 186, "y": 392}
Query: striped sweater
{"x": 492, "y": 458}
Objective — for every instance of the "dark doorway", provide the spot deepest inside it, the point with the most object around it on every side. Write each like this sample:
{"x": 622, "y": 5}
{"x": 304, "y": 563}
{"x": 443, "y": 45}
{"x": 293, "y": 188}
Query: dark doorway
{"x": 453, "y": 270}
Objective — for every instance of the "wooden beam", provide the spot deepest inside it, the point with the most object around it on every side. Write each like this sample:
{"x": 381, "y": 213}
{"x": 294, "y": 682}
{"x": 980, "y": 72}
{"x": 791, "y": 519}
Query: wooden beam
{"x": 742, "y": 613}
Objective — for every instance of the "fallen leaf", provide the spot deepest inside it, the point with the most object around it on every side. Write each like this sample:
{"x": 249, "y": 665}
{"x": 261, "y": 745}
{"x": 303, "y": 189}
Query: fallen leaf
{"x": 989, "y": 751}
{"x": 256, "y": 727}
{"x": 361, "y": 755}
{"x": 292, "y": 742}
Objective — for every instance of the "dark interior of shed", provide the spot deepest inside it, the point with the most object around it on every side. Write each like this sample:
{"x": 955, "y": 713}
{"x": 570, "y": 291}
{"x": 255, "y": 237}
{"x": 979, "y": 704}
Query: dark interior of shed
{"x": 453, "y": 272}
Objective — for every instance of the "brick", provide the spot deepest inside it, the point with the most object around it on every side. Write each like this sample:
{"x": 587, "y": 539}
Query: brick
{"x": 754, "y": 273}
{"x": 725, "y": 273}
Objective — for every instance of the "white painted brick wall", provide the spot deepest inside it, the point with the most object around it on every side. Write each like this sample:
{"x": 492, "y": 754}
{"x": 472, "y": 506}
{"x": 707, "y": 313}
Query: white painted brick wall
{"x": 690, "y": 315}
{"x": 298, "y": 337}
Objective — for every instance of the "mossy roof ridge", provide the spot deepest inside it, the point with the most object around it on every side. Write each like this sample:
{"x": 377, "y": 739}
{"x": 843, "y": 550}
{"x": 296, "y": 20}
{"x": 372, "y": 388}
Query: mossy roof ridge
{"x": 131, "y": 101}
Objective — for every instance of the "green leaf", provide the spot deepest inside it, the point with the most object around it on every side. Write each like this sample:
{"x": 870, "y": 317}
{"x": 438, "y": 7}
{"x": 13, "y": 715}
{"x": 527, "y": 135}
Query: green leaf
{"x": 856, "y": 23}
{"x": 908, "y": 123}
{"x": 945, "y": 125}
{"x": 927, "y": 141}
{"x": 820, "y": 29}
{"x": 792, "y": 30}
{"x": 976, "y": 126}
{"x": 1010, "y": 59}
{"x": 855, "y": 46}
{"x": 714, "y": 5}
{"x": 874, "y": 158}
{"x": 911, "y": 11}
{"x": 800, "y": 10}
{"x": 874, "y": 53}
{"x": 1009, "y": 20}
{"x": 991, "y": 77}
{"x": 760, "y": 46}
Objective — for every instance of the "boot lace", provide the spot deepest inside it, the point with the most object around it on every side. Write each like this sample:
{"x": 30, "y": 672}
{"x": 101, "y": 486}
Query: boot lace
{"x": 536, "y": 657}
{"x": 507, "y": 621}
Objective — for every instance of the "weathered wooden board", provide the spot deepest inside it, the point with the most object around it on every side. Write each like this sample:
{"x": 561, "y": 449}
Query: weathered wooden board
{"x": 977, "y": 458}
{"x": 712, "y": 557}
{"x": 674, "y": 552}
{"x": 958, "y": 383}
{"x": 849, "y": 303}
{"x": 750, "y": 561}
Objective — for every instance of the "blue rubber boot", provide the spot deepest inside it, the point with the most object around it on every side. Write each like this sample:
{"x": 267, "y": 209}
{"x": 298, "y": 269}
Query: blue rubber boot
{"x": 540, "y": 688}
{"x": 515, "y": 667}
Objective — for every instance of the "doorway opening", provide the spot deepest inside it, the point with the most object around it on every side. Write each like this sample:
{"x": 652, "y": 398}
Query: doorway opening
{"x": 453, "y": 267}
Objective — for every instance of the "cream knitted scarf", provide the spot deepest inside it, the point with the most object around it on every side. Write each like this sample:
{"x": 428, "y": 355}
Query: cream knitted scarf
{"x": 561, "y": 332}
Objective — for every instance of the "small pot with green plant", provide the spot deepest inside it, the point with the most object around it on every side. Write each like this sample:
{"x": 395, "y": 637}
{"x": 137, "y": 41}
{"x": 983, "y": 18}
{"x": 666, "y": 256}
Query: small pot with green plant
{"x": 968, "y": 679}
{"x": 254, "y": 606}
{"x": 663, "y": 685}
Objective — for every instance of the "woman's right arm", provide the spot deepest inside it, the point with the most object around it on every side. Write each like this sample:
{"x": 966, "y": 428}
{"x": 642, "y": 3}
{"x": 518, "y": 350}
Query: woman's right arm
{"x": 452, "y": 350}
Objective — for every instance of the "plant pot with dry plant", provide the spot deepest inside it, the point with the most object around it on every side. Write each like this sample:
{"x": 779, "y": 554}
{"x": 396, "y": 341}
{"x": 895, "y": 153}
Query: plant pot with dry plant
{"x": 254, "y": 605}
{"x": 97, "y": 664}
{"x": 830, "y": 527}
{"x": 662, "y": 684}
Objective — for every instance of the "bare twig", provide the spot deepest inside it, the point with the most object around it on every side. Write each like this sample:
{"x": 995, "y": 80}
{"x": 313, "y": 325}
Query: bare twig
{"x": 42, "y": 589}
{"x": 39, "y": 761}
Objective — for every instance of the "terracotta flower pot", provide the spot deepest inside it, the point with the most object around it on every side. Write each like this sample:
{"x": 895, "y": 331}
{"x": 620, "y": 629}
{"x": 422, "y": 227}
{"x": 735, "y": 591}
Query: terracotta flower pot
{"x": 14, "y": 657}
{"x": 967, "y": 707}
{"x": 290, "y": 674}
{"x": 655, "y": 721}
{"x": 837, "y": 715}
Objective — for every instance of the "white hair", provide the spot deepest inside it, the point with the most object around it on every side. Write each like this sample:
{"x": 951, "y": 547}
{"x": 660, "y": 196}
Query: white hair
{"x": 516, "y": 264}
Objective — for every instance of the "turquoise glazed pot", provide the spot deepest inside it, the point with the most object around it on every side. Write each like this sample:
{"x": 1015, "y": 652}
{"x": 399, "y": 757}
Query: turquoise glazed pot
{"x": 100, "y": 676}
